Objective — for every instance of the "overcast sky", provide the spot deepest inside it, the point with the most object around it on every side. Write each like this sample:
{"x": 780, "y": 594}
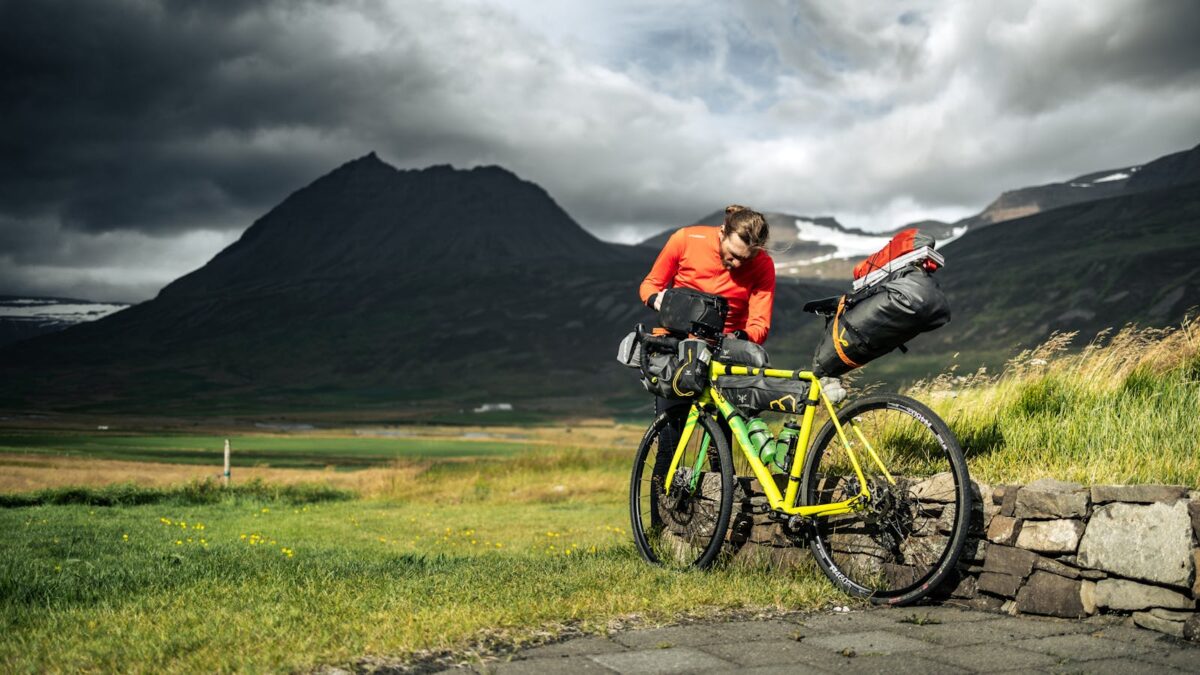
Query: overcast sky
{"x": 140, "y": 137}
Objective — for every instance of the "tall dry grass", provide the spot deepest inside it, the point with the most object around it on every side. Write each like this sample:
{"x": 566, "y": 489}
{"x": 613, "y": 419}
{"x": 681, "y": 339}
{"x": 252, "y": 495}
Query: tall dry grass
{"x": 1123, "y": 409}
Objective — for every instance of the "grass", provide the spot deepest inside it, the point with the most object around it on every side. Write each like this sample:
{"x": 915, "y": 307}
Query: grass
{"x": 1120, "y": 410}
{"x": 503, "y": 549}
{"x": 194, "y": 492}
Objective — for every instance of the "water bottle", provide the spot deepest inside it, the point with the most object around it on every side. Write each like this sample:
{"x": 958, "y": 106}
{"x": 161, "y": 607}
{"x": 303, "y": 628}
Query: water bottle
{"x": 785, "y": 444}
{"x": 760, "y": 440}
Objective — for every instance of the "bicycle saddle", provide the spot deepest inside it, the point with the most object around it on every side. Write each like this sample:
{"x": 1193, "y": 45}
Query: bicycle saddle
{"x": 824, "y": 306}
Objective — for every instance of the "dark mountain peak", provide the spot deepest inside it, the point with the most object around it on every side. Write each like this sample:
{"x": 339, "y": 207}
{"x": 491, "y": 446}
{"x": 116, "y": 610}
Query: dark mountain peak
{"x": 368, "y": 163}
{"x": 367, "y": 219}
{"x": 495, "y": 170}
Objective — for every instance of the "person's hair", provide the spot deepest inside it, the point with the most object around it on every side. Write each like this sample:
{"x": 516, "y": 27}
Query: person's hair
{"x": 750, "y": 226}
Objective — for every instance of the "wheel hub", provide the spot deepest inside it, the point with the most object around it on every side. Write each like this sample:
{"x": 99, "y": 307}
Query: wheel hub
{"x": 681, "y": 488}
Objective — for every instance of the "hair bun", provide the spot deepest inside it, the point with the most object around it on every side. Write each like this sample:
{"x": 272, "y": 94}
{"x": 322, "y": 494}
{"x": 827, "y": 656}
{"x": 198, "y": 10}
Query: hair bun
{"x": 734, "y": 208}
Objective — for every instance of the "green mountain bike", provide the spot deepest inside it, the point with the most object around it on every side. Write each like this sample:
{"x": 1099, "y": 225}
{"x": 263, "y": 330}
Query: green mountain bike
{"x": 882, "y": 495}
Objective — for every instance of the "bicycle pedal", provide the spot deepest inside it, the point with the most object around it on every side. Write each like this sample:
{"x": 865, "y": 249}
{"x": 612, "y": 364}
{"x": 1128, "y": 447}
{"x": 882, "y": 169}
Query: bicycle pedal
{"x": 798, "y": 523}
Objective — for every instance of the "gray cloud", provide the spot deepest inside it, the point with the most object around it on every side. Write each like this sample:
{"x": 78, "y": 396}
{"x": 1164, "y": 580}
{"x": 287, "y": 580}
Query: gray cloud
{"x": 143, "y": 128}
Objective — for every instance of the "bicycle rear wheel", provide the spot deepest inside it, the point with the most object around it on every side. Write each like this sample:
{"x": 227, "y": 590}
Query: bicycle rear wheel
{"x": 686, "y": 525}
{"x": 909, "y": 537}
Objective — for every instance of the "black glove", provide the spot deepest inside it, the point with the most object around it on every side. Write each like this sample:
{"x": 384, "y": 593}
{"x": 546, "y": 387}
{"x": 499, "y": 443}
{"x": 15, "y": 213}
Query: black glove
{"x": 650, "y": 301}
{"x": 740, "y": 334}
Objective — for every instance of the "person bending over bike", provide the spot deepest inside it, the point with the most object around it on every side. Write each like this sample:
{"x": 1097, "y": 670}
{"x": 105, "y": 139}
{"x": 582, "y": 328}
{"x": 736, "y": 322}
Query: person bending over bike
{"x": 731, "y": 261}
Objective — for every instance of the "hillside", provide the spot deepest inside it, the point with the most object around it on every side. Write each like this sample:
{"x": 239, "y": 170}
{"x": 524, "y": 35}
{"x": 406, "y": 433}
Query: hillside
{"x": 372, "y": 286}
{"x": 821, "y": 248}
{"x": 1085, "y": 267}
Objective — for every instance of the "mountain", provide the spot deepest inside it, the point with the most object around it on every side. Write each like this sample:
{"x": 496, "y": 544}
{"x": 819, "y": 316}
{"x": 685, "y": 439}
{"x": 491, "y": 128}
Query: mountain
{"x": 1085, "y": 267}
{"x": 371, "y": 286}
{"x": 1172, "y": 170}
{"x": 822, "y": 248}
{"x": 23, "y": 317}
{"x": 817, "y": 247}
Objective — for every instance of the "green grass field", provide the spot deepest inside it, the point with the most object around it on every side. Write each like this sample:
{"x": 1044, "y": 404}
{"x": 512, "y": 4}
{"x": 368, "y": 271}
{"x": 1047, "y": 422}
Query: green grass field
{"x": 250, "y": 584}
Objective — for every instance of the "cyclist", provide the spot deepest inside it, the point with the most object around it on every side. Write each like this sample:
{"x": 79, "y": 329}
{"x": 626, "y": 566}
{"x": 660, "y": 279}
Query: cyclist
{"x": 730, "y": 261}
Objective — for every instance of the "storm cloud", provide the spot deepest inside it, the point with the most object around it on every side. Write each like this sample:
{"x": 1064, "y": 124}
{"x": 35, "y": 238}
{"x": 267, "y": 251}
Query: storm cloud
{"x": 136, "y": 130}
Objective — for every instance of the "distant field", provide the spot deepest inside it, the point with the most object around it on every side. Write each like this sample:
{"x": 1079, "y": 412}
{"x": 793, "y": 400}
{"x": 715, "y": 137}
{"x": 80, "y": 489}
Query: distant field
{"x": 306, "y": 451}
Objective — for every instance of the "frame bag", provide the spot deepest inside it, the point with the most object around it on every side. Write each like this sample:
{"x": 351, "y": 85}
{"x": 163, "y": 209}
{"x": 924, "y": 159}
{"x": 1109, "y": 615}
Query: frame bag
{"x": 753, "y": 394}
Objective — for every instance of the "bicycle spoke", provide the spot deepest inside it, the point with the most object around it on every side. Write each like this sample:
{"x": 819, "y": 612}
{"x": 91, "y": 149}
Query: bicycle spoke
{"x": 912, "y": 528}
{"x": 680, "y": 520}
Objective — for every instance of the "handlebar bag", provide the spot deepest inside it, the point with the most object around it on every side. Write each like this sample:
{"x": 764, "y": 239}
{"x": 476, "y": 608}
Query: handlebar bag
{"x": 676, "y": 374}
{"x": 687, "y": 311}
{"x": 880, "y": 318}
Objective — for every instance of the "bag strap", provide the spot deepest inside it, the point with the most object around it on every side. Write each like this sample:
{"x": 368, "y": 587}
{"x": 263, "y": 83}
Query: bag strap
{"x": 691, "y": 353}
{"x": 838, "y": 340}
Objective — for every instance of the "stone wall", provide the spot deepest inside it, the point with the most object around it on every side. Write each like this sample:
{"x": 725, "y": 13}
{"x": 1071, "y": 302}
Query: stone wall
{"x": 1052, "y": 548}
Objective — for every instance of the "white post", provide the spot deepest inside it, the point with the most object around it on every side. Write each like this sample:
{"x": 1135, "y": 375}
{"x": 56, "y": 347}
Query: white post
{"x": 226, "y": 462}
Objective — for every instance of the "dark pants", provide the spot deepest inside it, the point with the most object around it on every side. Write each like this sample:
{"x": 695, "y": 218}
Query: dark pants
{"x": 677, "y": 412}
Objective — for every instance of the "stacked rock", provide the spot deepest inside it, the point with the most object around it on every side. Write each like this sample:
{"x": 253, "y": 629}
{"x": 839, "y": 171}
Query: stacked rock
{"x": 1058, "y": 549}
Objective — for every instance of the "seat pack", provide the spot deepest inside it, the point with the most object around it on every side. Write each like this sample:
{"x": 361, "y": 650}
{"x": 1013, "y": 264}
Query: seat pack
{"x": 895, "y": 298}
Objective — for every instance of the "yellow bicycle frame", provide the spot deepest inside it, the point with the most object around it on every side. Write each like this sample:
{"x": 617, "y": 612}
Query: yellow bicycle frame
{"x": 786, "y": 502}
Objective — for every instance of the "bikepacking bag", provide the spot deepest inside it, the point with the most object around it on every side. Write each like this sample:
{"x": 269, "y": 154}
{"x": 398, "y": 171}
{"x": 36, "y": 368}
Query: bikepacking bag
{"x": 629, "y": 352}
{"x": 689, "y": 312}
{"x": 910, "y": 247}
{"x": 877, "y": 319}
{"x": 677, "y": 374}
{"x": 735, "y": 351}
{"x": 753, "y": 394}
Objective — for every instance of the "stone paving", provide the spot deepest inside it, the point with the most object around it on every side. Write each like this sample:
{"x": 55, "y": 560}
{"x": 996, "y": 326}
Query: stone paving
{"x": 909, "y": 640}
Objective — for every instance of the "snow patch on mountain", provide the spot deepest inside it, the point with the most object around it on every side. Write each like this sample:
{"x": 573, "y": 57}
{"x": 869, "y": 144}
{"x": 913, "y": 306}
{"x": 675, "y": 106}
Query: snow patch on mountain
{"x": 47, "y": 310}
{"x": 848, "y": 244}
{"x": 851, "y": 244}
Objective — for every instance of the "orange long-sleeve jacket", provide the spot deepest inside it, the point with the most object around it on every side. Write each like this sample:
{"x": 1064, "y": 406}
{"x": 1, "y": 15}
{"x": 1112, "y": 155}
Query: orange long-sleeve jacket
{"x": 692, "y": 259}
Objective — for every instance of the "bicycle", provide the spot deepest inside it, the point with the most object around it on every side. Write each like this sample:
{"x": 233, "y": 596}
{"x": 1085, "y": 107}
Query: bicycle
{"x": 882, "y": 496}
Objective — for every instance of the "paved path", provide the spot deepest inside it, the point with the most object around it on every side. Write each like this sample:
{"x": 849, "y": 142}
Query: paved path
{"x": 911, "y": 640}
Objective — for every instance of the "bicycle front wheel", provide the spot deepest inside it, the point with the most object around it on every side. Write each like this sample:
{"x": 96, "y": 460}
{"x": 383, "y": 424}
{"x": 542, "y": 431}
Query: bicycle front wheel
{"x": 908, "y": 537}
{"x": 680, "y": 519}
